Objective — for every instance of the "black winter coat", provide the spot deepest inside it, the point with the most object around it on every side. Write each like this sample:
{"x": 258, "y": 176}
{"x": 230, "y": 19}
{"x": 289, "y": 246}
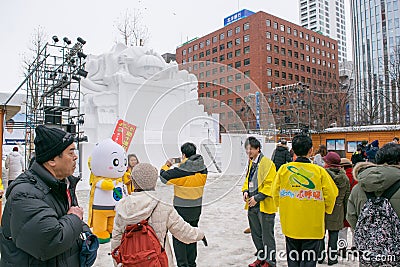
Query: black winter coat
{"x": 281, "y": 156}
{"x": 36, "y": 230}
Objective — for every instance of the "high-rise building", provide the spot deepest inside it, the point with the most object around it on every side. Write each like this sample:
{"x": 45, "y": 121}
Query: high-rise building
{"x": 264, "y": 51}
{"x": 328, "y": 18}
{"x": 376, "y": 53}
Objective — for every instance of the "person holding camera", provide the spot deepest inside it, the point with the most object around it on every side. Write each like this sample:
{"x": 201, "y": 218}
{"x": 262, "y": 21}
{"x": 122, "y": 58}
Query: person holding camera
{"x": 188, "y": 179}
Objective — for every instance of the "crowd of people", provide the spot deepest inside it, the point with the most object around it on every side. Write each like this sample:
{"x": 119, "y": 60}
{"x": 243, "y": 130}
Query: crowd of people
{"x": 315, "y": 199}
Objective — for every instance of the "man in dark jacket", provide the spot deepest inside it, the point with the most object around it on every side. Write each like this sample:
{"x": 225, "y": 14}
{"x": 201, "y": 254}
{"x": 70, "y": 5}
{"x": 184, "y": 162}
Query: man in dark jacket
{"x": 372, "y": 149}
{"x": 281, "y": 155}
{"x": 42, "y": 223}
{"x": 188, "y": 180}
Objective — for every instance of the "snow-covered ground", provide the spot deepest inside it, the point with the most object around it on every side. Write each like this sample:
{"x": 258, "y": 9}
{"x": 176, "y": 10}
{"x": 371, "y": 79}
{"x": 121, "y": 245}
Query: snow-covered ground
{"x": 223, "y": 220}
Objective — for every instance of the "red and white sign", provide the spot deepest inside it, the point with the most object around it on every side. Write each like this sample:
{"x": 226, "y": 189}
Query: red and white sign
{"x": 123, "y": 134}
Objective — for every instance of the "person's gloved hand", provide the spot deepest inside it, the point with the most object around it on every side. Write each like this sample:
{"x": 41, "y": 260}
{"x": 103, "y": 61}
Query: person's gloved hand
{"x": 205, "y": 241}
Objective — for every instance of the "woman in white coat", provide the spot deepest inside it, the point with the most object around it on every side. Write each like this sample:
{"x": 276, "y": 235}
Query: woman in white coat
{"x": 142, "y": 204}
{"x": 14, "y": 164}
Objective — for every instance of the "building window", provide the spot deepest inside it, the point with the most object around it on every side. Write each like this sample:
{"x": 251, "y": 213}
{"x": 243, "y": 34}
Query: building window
{"x": 201, "y": 45}
{"x": 214, "y": 50}
{"x": 288, "y": 30}
{"x": 269, "y": 60}
{"x": 290, "y": 64}
{"x": 277, "y": 73}
{"x": 283, "y": 75}
{"x": 221, "y": 47}
{"x": 238, "y": 101}
{"x": 282, "y": 39}
{"x": 184, "y": 52}
{"x": 246, "y": 50}
{"x": 201, "y": 54}
{"x": 222, "y": 36}
{"x": 276, "y": 37}
{"x": 222, "y": 115}
{"x": 237, "y": 41}
{"x": 215, "y": 93}
{"x": 276, "y": 49}
{"x": 229, "y": 44}
{"x": 221, "y": 58}
{"x": 230, "y": 103}
{"x": 246, "y": 62}
{"x": 276, "y": 25}
{"x": 215, "y": 59}
{"x": 290, "y": 76}
{"x": 268, "y": 23}
{"x": 222, "y": 91}
{"x": 246, "y": 74}
{"x": 208, "y": 52}
{"x": 214, "y": 39}
{"x": 276, "y": 61}
{"x": 289, "y": 53}
{"x": 246, "y": 38}
{"x": 246, "y": 26}
{"x": 229, "y": 33}
{"x": 283, "y": 51}
{"x": 195, "y": 57}
{"x": 238, "y": 64}
{"x": 246, "y": 86}
{"x": 222, "y": 69}
{"x": 269, "y": 85}
{"x": 282, "y": 28}
{"x": 268, "y": 35}
{"x": 237, "y": 52}
{"x": 289, "y": 41}
{"x": 195, "y": 47}
{"x": 237, "y": 29}
{"x": 268, "y": 47}
{"x": 238, "y": 76}
{"x": 229, "y": 78}
{"x": 269, "y": 72}
{"x": 208, "y": 94}
{"x": 295, "y": 32}
{"x": 238, "y": 88}
{"x": 190, "y": 50}
{"x": 229, "y": 55}
{"x": 222, "y": 80}
{"x": 283, "y": 63}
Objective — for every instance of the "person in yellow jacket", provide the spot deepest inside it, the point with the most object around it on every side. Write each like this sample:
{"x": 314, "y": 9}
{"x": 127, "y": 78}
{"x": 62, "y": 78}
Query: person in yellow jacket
{"x": 304, "y": 193}
{"x": 261, "y": 208}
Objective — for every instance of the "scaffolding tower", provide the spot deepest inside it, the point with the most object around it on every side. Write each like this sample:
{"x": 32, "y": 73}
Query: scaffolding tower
{"x": 52, "y": 87}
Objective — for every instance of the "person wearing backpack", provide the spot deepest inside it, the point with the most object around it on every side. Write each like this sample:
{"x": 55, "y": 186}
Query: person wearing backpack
{"x": 281, "y": 154}
{"x": 377, "y": 181}
{"x": 142, "y": 205}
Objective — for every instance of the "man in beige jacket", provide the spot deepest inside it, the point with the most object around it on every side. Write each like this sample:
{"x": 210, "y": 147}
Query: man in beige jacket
{"x": 142, "y": 204}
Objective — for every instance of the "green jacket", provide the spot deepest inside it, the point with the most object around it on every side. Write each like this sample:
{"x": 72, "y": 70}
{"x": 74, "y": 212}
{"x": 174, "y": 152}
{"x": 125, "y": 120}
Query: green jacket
{"x": 372, "y": 178}
{"x": 335, "y": 220}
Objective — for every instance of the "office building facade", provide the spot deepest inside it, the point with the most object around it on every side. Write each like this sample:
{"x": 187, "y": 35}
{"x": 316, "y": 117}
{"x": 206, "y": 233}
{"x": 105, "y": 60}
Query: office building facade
{"x": 328, "y": 18}
{"x": 376, "y": 53}
{"x": 295, "y": 69}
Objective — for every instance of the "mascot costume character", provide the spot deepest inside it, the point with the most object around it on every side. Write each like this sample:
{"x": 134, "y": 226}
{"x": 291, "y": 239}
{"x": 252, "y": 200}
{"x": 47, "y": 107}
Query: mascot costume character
{"x": 108, "y": 165}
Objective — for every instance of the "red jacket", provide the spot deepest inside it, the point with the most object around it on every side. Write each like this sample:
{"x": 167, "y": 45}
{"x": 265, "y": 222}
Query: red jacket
{"x": 353, "y": 182}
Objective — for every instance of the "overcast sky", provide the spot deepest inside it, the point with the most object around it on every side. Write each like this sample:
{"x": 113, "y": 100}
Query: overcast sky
{"x": 170, "y": 23}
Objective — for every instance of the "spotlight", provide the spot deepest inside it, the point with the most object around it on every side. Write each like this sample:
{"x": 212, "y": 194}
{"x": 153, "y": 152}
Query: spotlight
{"x": 67, "y": 41}
{"x": 55, "y": 38}
{"x": 79, "y": 39}
{"x": 72, "y": 60}
{"x": 82, "y": 73}
{"x": 76, "y": 78}
{"x": 81, "y": 55}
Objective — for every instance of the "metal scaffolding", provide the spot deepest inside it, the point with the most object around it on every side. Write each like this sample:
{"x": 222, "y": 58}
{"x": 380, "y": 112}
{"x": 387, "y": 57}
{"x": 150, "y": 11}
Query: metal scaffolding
{"x": 52, "y": 87}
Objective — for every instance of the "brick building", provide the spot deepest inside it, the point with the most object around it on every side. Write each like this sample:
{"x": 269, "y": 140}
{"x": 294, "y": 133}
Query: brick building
{"x": 264, "y": 53}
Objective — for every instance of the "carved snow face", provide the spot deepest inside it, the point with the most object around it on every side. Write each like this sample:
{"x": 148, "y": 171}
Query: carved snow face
{"x": 108, "y": 159}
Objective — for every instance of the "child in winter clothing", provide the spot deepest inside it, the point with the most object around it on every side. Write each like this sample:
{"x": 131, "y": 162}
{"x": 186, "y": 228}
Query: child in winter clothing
{"x": 142, "y": 205}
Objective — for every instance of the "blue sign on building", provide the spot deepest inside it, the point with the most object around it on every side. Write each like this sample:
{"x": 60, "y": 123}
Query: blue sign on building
{"x": 258, "y": 110}
{"x": 238, "y": 15}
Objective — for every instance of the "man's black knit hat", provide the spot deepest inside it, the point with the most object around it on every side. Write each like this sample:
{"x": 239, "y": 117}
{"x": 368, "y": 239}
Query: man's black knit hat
{"x": 50, "y": 142}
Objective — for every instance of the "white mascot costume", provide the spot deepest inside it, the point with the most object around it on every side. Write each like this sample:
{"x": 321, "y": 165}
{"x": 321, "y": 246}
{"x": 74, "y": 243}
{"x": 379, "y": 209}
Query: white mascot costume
{"x": 108, "y": 165}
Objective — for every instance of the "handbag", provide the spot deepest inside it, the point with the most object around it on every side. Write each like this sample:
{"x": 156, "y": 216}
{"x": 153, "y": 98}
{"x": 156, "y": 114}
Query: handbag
{"x": 90, "y": 245}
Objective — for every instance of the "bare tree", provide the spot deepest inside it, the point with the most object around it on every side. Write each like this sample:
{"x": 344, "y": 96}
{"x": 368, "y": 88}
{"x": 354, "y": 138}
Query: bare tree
{"x": 131, "y": 28}
{"x": 31, "y": 59}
